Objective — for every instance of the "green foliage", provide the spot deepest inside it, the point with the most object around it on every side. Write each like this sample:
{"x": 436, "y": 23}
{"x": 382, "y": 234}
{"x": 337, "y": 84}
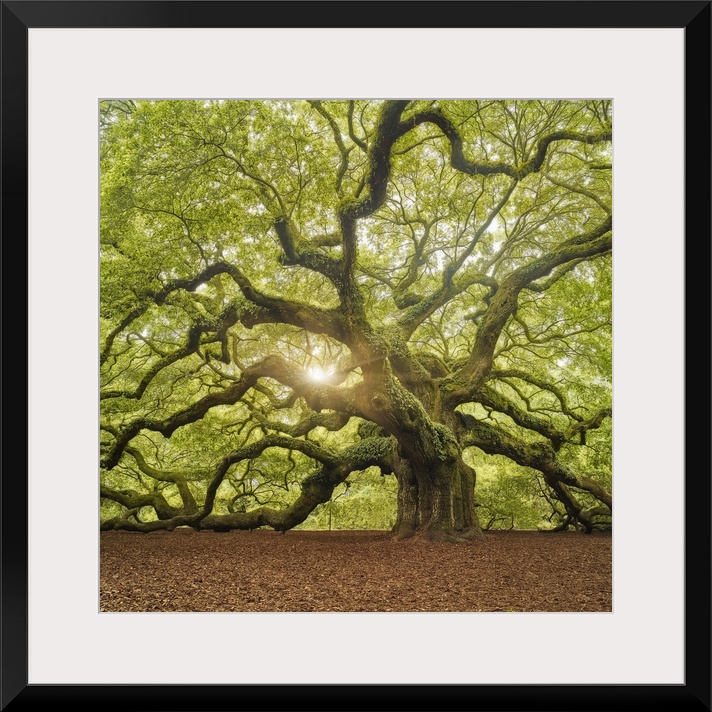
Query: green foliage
{"x": 219, "y": 331}
{"x": 509, "y": 496}
{"x": 366, "y": 501}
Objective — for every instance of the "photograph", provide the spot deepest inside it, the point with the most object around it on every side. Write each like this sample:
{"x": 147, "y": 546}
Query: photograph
{"x": 356, "y": 323}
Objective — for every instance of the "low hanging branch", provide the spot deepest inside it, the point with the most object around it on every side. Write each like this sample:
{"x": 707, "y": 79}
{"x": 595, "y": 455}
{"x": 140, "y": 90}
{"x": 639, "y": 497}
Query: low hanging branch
{"x": 537, "y": 455}
{"x": 335, "y": 467}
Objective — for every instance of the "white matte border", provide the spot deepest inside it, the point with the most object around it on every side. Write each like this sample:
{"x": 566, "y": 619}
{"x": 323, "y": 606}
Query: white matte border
{"x": 641, "y": 642}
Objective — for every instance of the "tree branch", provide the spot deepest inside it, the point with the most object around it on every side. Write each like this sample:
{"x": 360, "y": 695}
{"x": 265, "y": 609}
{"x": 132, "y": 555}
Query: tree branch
{"x": 461, "y": 163}
{"x": 504, "y": 302}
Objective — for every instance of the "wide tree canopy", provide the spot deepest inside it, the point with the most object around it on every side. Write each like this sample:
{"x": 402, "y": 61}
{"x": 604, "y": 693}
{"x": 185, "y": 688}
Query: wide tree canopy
{"x": 374, "y": 301}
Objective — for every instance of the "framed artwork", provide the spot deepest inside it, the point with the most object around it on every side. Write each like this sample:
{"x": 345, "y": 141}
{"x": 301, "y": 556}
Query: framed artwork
{"x": 651, "y": 60}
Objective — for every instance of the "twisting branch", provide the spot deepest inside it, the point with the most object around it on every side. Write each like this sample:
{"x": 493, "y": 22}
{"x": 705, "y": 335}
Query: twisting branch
{"x": 343, "y": 151}
{"x": 504, "y": 304}
{"x": 592, "y": 423}
{"x": 461, "y": 163}
{"x": 319, "y": 398}
{"x": 379, "y": 167}
{"x": 179, "y": 478}
{"x": 541, "y": 383}
{"x": 489, "y": 398}
{"x": 314, "y": 319}
{"x": 539, "y": 456}
{"x": 296, "y": 252}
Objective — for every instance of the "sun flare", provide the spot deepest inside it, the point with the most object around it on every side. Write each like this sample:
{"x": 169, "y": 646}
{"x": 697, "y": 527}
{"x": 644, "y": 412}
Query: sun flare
{"x": 317, "y": 374}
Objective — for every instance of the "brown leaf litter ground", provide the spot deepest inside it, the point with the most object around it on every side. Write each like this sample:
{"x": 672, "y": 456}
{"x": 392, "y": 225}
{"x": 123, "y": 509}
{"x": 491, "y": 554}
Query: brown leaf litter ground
{"x": 304, "y": 571}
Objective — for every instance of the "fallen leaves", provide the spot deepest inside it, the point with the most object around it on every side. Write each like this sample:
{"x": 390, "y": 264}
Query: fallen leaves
{"x": 353, "y": 571}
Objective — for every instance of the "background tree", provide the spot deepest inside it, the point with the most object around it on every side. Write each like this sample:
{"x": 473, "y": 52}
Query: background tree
{"x": 293, "y": 292}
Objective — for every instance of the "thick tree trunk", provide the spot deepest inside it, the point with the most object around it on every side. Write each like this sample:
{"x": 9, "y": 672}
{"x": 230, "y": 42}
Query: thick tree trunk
{"x": 436, "y": 501}
{"x": 435, "y": 485}
{"x": 464, "y": 504}
{"x": 407, "y": 517}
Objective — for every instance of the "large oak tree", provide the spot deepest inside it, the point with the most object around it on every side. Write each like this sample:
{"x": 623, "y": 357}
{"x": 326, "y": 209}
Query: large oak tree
{"x": 294, "y": 291}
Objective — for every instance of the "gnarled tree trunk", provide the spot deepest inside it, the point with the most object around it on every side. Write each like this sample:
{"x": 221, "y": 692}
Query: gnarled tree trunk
{"x": 435, "y": 485}
{"x": 436, "y": 500}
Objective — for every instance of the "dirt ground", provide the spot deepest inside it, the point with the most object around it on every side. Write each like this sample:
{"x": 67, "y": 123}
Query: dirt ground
{"x": 353, "y": 571}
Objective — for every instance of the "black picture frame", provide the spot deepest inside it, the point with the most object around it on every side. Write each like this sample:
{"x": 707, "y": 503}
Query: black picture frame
{"x": 20, "y": 16}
